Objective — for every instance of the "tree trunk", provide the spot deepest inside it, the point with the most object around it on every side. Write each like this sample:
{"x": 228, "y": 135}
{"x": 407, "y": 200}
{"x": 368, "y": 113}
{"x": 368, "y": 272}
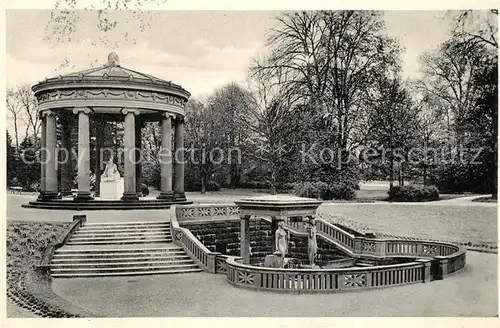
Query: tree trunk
{"x": 424, "y": 174}
{"x": 273, "y": 181}
{"x": 391, "y": 173}
{"x": 16, "y": 133}
{"x": 203, "y": 188}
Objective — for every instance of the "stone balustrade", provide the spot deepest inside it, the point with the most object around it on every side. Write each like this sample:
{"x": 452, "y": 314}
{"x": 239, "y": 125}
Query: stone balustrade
{"x": 433, "y": 260}
{"x": 326, "y": 280}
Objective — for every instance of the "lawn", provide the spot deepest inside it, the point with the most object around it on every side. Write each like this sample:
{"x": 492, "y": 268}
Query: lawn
{"x": 464, "y": 224}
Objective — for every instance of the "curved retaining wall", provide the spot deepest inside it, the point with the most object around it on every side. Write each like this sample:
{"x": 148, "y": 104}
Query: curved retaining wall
{"x": 434, "y": 260}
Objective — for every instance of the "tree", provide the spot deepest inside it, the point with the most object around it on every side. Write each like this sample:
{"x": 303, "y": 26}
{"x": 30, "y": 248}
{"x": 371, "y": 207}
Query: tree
{"x": 29, "y": 167}
{"x": 203, "y": 126}
{"x": 27, "y": 101}
{"x": 113, "y": 28}
{"x": 329, "y": 58}
{"x": 393, "y": 123}
{"x": 14, "y": 113}
{"x": 12, "y": 161}
{"x": 232, "y": 104}
{"x": 483, "y": 122}
{"x": 476, "y": 26}
{"x": 448, "y": 75}
{"x": 273, "y": 120}
{"x": 432, "y": 126}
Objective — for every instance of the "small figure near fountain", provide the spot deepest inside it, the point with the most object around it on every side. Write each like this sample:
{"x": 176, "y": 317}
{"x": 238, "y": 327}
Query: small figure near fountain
{"x": 312, "y": 244}
{"x": 111, "y": 171}
{"x": 112, "y": 184}
{"x": 282, "y": 240}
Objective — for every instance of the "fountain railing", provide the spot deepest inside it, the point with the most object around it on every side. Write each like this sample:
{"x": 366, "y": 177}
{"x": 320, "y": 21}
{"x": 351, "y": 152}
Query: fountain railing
{"x": 446, "y": 258}
{"x": 326, "y": 280}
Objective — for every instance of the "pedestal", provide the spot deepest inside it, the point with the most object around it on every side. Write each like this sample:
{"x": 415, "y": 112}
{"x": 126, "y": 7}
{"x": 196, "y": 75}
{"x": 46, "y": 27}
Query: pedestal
{"x": 111, "y": 189}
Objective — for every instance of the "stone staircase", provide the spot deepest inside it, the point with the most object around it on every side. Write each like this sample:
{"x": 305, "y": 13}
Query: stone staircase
{"x": 121, "y": 249}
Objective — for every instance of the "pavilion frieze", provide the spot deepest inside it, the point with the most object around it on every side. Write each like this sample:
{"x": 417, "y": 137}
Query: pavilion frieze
{"x": 111, "y": 94}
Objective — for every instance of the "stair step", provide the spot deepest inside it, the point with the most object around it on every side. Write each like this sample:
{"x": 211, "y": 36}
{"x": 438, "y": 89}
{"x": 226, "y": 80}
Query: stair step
{"x": 112, "y": 259}
{"x": 110, "y": 274}
{"x": 119, "y": 250}
{"x": 132, "y": 241}
{"x": 138, "y": 230}
{"x": 126, "y": 224}
{"x": 121, "y": 235}
{"x": 124, "y": 268}
{"x": 130, "y": 228}
{"x": 155, "y": 235}
{"x": 163, "y": 262}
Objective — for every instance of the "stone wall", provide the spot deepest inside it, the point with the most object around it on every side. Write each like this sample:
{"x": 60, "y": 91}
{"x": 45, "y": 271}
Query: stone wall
{"x": 224, "y": 237}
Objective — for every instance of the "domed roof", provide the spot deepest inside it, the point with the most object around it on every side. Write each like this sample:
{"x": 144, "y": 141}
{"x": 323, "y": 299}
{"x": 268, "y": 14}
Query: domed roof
{"x": 111, "y": 73}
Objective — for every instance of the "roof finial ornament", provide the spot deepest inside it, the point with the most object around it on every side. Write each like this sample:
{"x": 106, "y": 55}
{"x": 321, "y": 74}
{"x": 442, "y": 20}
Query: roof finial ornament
{"x": 113, "y": 59}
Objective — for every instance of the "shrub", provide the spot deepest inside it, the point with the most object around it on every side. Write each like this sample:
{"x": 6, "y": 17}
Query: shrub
{"x": 309, "y": 189}
{"x": 322, "y": 190}
{"x": 144, "y": 190}
{"x": 339, "y": 191}
{"x": 413, "y": 193}
{"x": 212, "y": 186}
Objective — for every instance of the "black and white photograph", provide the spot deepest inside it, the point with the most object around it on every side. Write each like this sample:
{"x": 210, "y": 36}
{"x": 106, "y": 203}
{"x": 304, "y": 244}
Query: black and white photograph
{"x": 257, "y": 162}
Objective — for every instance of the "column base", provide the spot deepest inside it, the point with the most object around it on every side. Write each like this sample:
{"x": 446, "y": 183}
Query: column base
{"x": 48, "y": 195}
{"x": 83, "y": 195}
{"x": 65, "y": 193}
{"x": 130, "y": 196}
{"x": 166, "y": 195}
{"x": 179, "y": 197}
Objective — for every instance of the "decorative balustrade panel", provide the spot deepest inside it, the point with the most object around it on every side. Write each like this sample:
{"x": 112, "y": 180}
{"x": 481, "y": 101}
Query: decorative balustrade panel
{"x": 220, "y": 264}
{"x": 324, "y": 280}
{"x": 206, "y": 212}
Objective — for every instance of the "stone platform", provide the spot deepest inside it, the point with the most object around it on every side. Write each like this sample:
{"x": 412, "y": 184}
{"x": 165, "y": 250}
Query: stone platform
{"x": 104, "y": 204}
{"x": 111, "y": 190}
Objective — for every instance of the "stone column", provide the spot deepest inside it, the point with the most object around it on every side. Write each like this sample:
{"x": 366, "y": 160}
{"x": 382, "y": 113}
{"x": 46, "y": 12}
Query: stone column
{"x": 179, "y": 160}
{"x": 83, "y": 159}
{"x": 99, "y": 141}
{"x": 245, "y": 238}
{"x": 138, "y": 158}
{"x": 43, "y": 151}
{"x": 50, "y": 159}
{"x": 166, "y": 157}
{"x": 129, "y": 192}
{"x": 66, "y": 167}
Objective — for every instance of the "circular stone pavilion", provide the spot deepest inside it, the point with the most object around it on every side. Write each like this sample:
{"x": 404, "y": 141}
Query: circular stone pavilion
{"x": 110, "y": 93}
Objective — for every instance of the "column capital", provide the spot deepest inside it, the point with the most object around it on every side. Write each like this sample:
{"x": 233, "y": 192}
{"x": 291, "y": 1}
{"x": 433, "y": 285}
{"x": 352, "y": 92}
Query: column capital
{"x": 126, "y": 111}
{"x": 179, "y": 119}
{"x": 168, "y": 115}
{"x": 85, "y": 110}
{"x": 46, "y": 113}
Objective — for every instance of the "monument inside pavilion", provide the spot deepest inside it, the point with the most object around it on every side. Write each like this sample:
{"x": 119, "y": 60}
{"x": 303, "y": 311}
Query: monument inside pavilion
{"x": 110, "y": 93}
{"x": 111, "y": 184}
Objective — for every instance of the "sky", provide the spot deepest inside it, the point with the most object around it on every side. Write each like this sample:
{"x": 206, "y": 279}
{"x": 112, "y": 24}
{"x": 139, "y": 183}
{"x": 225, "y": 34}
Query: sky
{"x": 201, "y": 50}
